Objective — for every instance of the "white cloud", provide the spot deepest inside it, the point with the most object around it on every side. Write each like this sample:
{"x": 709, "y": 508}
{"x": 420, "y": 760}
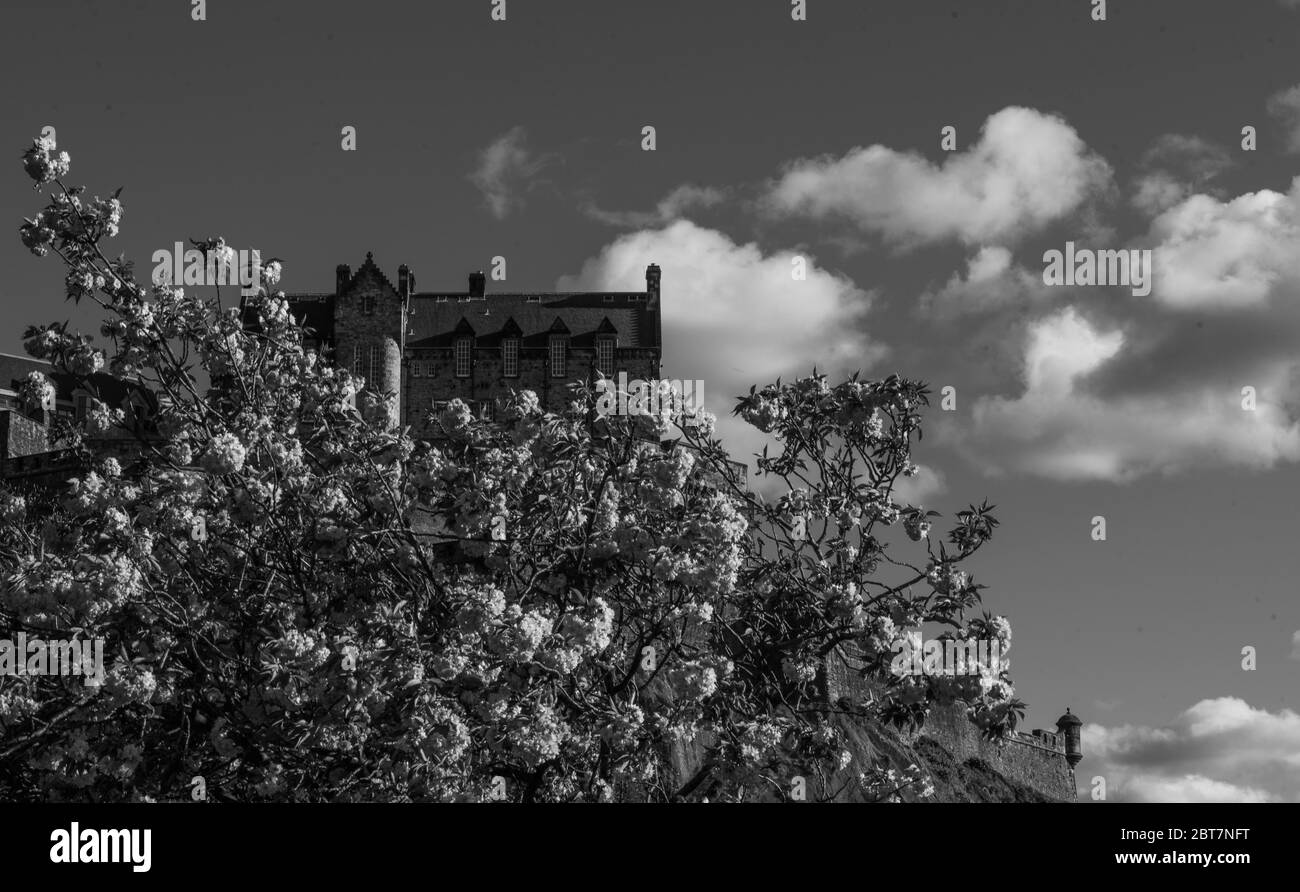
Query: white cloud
{"x": 735, "y": 317}
{"x": 991, "y": 282}
{"x": 1220, "y": 750}
{"x": 1056, "y": 428}
{"x": 674, "y": 205}
{"x": 504, "y": 169}
{"x": 1026, "y": 170}
{"x": 1158, "y": 387}
{"x": 1189, "y": 788}
{"x": 1210, "y": 254}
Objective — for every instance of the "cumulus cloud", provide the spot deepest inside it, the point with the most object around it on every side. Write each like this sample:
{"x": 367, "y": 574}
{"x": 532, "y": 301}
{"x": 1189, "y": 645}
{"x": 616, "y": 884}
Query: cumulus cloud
{"x": 1154, "y": 385}
{"x": 992, "y": 281}
{"x": 1220, "y": 750}
{"x": 1026, "y": 170}
{"x": 505, "y": 169}
{"x": 1210, "y": 254}
{"x": 734, "y": 316}
{"x": 673, "y": 205}
{"x": 1174, "y": 168}
{"x": 1059, "y": 428}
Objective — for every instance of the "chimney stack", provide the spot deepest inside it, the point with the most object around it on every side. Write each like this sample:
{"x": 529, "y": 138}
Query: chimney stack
{"x": 342, "y": 275}
{"x": 477, "y": 284}
{"x": 405, "y": 281}
{"x": 652, "y": 274}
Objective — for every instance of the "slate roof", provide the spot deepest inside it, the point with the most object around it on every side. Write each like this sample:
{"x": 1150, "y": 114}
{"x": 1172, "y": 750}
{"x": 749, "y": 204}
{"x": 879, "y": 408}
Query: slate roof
{"x": 435, "y": 317}
{"x": 13, "y": 369}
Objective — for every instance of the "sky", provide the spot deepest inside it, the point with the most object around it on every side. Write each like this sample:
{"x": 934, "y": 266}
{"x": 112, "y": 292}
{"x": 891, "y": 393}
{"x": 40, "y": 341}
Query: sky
{"x": 820, "y": 139}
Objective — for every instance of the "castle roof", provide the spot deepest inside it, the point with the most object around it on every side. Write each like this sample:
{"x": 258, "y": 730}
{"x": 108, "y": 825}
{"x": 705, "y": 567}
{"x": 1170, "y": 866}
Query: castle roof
{"x": 434, "y": 317}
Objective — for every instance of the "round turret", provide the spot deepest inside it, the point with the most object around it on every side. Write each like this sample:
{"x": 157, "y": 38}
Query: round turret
{"x": 1071, "y": 728}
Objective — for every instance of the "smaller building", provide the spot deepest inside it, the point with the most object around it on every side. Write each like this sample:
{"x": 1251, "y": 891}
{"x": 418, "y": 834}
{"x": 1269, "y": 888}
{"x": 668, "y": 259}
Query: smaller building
{"x": 30, "y": 448}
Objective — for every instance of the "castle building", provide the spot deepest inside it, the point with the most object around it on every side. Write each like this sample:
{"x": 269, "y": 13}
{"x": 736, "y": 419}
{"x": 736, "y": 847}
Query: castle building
{"x": 420, "y": 349}
{"x": 425, "y": 348}
{"x": 29, "y": 447}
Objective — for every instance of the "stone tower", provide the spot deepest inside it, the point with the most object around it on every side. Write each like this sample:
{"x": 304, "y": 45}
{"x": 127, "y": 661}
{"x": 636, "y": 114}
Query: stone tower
{"x": 1071, "y": 728}
{"x": 368, "y": 330}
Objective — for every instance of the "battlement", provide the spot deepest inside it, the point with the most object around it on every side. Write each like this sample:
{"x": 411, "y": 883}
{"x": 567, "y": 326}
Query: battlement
{"x": 1045, "y": 740}
{"x": 1038, "y": 764}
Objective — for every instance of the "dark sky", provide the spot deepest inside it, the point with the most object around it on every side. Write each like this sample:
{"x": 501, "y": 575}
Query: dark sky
{"x": 820, "y": 139}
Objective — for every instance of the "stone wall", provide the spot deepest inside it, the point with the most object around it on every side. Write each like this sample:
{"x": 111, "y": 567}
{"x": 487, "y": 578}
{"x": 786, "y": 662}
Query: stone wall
{"x": 1034, "y": 764}
{"x": 487, "y": 380}
{"x": 1037, "y": 764}
{"x": 20, "y": 435}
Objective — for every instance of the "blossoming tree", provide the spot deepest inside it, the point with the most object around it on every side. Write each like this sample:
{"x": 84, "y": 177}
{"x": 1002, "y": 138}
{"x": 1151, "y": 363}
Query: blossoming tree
{"x": 301, "y": 603}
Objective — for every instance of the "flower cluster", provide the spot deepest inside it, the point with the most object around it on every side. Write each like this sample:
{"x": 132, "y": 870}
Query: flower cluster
{"x": 304, "y": 603}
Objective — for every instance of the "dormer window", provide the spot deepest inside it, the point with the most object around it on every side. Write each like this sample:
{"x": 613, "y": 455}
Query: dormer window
{"x": 559, "y": 356}
{"x": 464, "y": 357}
{"x": 510, "y": 358}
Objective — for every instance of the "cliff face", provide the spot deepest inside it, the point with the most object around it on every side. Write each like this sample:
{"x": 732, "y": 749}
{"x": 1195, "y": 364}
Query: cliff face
{"x": 962, "y": 765}
{"x": 958, "y": 763}
{"x": 949, "y": 750}
{"x": 977, "y": 770}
